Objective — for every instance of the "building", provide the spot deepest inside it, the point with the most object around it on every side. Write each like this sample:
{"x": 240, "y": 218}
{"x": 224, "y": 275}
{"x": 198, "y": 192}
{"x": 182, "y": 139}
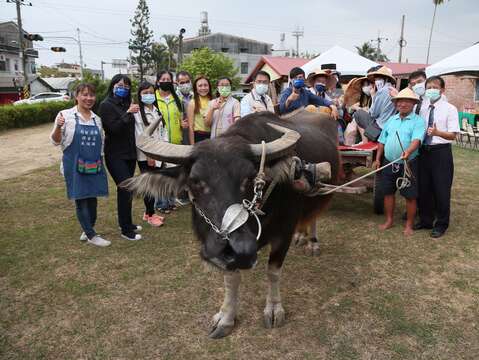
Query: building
{"x": 245, "y": 53}
{"x": 51, "y": 84}
{"x": 11, "y": 75}
{"x": 74, "y": 70}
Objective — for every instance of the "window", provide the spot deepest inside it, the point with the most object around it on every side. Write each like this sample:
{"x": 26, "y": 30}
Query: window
{"x": 244, "y": 67}
{"x": 3, "y": 65}
{"x": 15, "y": 65}
{"x": 243, "y": 50}
{"x": 224, "y": 50}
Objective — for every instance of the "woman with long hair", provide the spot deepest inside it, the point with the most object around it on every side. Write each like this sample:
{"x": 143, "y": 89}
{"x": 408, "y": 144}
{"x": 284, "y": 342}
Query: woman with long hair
{"x": 116, "y": 113}
{"x": 198, "y": 108}
{"x": 79, "y": 132}
{"x": 147, "y": 115}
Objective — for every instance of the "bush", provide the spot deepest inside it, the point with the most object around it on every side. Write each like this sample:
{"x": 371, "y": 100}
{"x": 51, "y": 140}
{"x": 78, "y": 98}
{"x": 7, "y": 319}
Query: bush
{"x": 26, "y": 115}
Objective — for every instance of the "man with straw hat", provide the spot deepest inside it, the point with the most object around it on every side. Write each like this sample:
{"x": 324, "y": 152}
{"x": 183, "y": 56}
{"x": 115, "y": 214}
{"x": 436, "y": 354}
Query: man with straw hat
{"x": 381, "y": 108}
{"x": 400, "y": 138}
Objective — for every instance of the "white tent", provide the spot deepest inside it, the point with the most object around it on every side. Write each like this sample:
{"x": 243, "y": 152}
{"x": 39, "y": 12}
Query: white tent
{"x": 465, "y": 60}
{"x": 347, "y": 62}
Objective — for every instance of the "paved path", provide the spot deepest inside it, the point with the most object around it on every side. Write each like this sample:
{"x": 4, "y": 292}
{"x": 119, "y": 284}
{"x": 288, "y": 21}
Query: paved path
{"x": 24, "y": 150}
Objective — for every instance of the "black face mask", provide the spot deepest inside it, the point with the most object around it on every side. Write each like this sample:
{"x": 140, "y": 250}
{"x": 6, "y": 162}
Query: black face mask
{"x": 166, "y": 86}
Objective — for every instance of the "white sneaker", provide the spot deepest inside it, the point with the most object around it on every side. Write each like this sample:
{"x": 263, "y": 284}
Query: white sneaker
{"x": 131, "y": 236}
{"x": 99, "y": 241}
{"x": 83, "y": 237}
{"x": 137, "y": 228}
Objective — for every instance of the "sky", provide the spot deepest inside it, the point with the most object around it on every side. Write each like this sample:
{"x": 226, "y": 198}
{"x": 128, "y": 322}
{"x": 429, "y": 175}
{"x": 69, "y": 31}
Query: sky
{"x": 105, "y": 26}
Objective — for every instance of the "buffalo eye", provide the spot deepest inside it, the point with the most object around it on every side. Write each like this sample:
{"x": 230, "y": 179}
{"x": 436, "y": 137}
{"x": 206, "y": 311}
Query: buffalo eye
{"x": 197, "y": 185}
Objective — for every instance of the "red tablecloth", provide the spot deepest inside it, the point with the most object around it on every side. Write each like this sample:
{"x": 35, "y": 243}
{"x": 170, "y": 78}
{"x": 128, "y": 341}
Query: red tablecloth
{"x": 368, "y": 146}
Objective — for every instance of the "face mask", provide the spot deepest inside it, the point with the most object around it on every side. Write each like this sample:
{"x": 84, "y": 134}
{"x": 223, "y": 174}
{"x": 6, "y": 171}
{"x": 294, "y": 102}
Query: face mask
{"x": 224, "y": 91}
{"x": 320, "y": 87}
{"x": 419, "y": 89}
{"x": 148, "y": 99}
{"x": 185, "y": 89}
{"x": 298, "y": 83}
{"x": 366, "y": 90}
{"x": 121, "y": 92}
{"x": 433, "y": 94}
{"x": 261, "y": 89}
{"x": 379, "y": 84}
{"x": 166, "y": 86}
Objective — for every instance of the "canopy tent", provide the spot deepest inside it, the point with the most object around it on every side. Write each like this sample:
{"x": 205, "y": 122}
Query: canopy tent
{"x": 465, "y": 61}
{"x": 347, "y": 62}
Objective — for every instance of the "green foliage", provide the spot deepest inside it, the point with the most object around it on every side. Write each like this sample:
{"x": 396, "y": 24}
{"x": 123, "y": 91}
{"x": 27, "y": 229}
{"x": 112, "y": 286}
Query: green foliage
{"x": 26, "y": 115}
{"x": 211, "y": 64}
{"x": 101, "y": 86}
{"x": 142, "y": 40}
{"x": 371, "y": 53}
{"x": 172, "y": 46}
{"x": 159, "y": 56}
{"x": 46, "y": 71}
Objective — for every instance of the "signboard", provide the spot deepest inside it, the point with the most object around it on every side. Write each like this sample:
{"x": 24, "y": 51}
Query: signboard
{"x": 119, "y": 63}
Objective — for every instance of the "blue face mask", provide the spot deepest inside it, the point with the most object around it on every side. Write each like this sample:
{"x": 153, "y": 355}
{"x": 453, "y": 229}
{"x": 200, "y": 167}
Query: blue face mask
{"x": 320, "y": 88}
{"x": 148, "y": 99}
{"x": 298, "y": 83}
{"x": 121, "y": 92}
{"x": 433, "y": 94}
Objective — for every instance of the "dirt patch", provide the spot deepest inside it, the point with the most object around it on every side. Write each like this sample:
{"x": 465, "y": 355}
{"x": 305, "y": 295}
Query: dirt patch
{"x": 24, "y": 150}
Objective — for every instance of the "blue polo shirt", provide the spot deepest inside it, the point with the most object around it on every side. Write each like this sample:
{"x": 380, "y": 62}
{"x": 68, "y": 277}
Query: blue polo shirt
{"x": 305, "y": 98}
{"x": 410, "y": 128}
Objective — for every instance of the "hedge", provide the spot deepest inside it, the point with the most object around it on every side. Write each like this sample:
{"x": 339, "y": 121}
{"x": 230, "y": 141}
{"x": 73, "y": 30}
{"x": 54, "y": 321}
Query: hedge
{"x": 21, "y": 116}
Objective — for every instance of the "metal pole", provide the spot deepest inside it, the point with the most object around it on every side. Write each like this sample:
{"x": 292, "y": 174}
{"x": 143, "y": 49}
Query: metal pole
{"x": 430, "y": 34}
{"x": 102, "y": 72}
{"x": 81, "y": 56}
{"x": 20, "y": 43}
{"x": 180, "y": 49}
{"x": 401, "y": 40}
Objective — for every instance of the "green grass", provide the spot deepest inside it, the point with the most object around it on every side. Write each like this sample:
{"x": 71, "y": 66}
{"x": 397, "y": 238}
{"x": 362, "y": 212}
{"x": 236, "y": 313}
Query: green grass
{"x": 369, "y": 295}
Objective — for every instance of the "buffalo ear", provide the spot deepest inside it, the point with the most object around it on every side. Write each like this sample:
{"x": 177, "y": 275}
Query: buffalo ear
{"x": 160, "y": 183}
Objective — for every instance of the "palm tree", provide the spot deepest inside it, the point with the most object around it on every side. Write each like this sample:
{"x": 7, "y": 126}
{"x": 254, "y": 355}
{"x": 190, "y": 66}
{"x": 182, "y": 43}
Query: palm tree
{"x": 159, "y": 56}
{"x": 172, "y": 45}
{"x": 436, "y": 3}
{"x": 367, "y": 51}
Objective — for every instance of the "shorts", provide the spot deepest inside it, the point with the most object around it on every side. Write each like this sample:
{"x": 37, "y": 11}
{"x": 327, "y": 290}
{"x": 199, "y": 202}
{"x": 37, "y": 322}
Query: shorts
{"x": 391, "y": 174}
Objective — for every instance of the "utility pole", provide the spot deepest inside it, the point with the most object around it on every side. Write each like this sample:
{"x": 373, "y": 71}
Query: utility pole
{"x": 180, "y": 47}
{"x": 21, "y": 48}
{"x": 297, "y": 34}
{"x": 81, "y": 56}
{"x": 402, "y": 41}
{"x": 378, "y": 40}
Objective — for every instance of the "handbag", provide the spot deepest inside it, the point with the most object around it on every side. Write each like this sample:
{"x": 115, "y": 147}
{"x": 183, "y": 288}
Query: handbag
{"x": 372, "y": 131}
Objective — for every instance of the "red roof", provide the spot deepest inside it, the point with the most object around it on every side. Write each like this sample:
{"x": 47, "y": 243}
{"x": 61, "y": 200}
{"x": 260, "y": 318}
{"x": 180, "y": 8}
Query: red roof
{"x": 404, "y": 68}
{"x": 280, "y": 64}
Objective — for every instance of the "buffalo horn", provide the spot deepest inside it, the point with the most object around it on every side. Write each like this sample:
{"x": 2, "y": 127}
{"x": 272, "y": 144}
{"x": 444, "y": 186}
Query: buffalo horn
{"x": 279, "y": 147}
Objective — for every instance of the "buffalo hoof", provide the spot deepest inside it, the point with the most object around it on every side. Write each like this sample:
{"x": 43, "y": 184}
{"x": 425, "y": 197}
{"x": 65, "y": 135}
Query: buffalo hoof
{"x": 221, "y": 327}
{"x": 273, "y": 316}
{"x": 299, "y": 239}
{"x": 313, "y": 248}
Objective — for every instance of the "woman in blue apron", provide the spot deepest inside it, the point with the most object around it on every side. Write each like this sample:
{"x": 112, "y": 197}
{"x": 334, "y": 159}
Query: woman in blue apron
{"x": 78, "y": 130}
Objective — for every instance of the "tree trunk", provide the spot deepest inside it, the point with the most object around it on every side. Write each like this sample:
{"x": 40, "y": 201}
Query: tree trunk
{"x": 430, "y": 34}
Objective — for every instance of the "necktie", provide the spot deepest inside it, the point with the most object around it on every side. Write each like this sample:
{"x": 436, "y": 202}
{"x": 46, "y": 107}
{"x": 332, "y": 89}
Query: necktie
{"x": 428, "y": 139}
{"x": 264, "y": 102}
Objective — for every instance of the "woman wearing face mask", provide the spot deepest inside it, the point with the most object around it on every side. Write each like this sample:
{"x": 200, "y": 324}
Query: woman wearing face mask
{"x": 222, "y": 111}
{"x": 356, "y": 97}
{"x": 197, "y": 109}
{"x": 147, "y": 115}
{"x": 79, "y": 132}
{"x": 116, "y": 113}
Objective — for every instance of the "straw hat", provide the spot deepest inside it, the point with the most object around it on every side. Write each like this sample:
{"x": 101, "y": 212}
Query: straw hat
{"x": 406, "y": 93}
{"x": 315, "y": 73}
{"x": 352, "y": 94}
{"x": 383, "y": 71}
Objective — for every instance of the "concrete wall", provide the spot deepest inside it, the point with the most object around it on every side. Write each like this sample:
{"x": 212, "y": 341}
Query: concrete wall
{"x": 460, "y": 91}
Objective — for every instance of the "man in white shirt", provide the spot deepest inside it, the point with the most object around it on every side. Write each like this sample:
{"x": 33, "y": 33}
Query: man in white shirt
{"x": 258, "y": 99}
{"x": 436, "y": 166}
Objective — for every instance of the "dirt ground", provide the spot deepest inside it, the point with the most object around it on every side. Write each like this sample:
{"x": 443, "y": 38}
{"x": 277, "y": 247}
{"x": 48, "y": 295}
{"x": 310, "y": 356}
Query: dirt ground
{"x": 24, "y": 150}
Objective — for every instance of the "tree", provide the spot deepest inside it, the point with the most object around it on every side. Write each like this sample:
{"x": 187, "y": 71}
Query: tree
{"x": 142, "y": 39}
{"x": 371, "y": 53}
{"x": 214, "y": 65}
{"x": 172, "y": 45}
{"x": 46, "y": 71}
{"x": 436, "y": 3}
{"x": 159, "y": 57}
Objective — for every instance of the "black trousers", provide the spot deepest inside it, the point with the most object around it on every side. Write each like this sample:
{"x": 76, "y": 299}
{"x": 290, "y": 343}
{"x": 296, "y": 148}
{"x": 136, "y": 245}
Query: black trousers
{"x": 148, "y": 200}
{"x": 120, "y": 170}
{"x": 436, "y": 172}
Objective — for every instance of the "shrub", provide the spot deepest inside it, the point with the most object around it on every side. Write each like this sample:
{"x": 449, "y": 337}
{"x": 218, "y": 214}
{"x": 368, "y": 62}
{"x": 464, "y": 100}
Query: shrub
{"x": 26, "y": 115}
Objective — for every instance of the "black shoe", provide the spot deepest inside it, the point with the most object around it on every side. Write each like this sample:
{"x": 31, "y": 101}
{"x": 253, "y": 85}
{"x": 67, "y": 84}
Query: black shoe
{"x": 419, "y": 226}
{"x": 437, "y": 233}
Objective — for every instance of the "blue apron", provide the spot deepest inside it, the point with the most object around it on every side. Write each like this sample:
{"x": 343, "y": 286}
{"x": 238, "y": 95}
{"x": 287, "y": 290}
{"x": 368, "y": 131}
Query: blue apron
{"x": 83, "y": 168}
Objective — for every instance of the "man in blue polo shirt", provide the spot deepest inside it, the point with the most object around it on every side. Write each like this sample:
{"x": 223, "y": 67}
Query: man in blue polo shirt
{"x": 410, "y": 128}
{"x": 296, "y": 95}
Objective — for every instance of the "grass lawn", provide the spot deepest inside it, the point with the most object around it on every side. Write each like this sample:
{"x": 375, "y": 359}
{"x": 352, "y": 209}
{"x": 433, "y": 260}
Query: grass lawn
{"x": 370, "y": 295}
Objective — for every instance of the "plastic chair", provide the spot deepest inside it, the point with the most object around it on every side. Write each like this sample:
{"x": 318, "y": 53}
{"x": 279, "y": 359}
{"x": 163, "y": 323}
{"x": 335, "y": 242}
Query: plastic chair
{"x": 472, "y": 135}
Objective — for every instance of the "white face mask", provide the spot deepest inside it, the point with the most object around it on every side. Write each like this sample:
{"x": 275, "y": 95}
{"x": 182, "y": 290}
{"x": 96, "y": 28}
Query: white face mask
{"x": 379, "y": 84}
{"x": 261, "y": 89}
{"x": 366, "y": 89}
{"x": 420, "y": 89}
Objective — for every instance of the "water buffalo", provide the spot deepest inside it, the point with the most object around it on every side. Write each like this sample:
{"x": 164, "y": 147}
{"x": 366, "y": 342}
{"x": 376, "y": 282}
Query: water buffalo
{"x": 222, "y": 171}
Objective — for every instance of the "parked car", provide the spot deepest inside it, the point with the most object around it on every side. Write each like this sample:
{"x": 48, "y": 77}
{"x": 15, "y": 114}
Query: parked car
{"x": 43, "y": 97}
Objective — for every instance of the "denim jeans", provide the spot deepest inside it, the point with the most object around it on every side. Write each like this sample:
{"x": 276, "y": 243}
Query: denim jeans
{"x": 164, "y": 203}
{"x": 86, "y": 214}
